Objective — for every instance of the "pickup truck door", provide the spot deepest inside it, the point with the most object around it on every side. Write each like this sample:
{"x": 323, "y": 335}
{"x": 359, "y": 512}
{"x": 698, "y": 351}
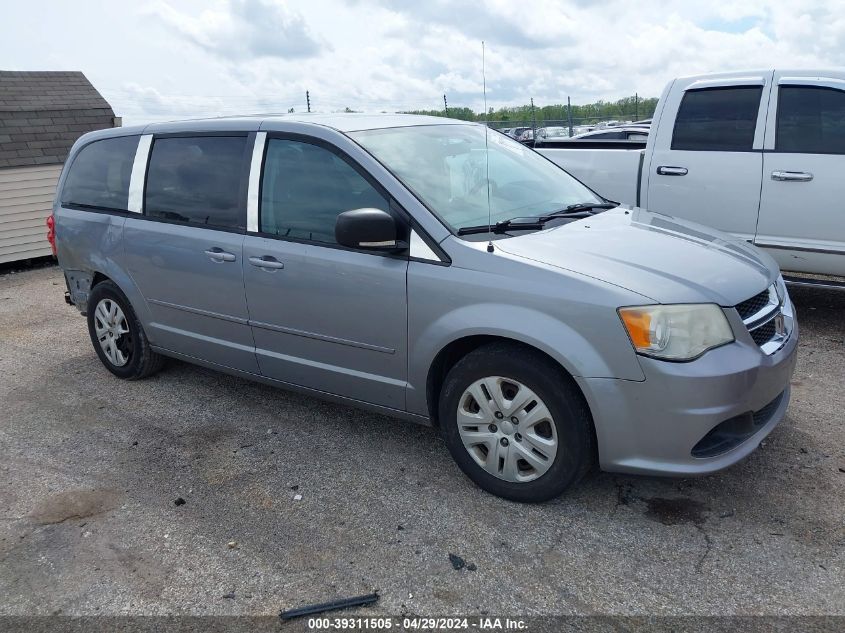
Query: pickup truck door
{"x": 801, "y": 212}
{"x": 706, "y": 159}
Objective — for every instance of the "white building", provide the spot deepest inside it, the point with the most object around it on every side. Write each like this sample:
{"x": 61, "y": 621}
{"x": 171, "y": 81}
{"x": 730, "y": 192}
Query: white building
{"x": 41, "y": 115}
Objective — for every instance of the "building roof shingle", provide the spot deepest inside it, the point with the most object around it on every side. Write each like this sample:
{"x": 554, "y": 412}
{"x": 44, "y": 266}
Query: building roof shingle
{"x": 42, "y": 113}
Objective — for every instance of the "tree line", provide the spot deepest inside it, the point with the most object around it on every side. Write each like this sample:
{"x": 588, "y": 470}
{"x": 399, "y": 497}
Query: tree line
{"x": 626, "y": 108}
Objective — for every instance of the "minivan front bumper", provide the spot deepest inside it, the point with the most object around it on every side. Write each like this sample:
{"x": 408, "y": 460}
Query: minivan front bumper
{"x": 655, "y": 426}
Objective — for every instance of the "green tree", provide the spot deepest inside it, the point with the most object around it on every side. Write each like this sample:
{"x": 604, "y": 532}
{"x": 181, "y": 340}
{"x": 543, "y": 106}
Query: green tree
{"x": 623, "y": 109}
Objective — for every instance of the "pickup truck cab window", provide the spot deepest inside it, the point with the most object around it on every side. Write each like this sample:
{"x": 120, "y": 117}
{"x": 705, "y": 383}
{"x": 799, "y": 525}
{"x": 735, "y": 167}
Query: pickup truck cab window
{"x": 447, "y": 168}
{"x": 305, "y": 187}
{"x": 99, "y": 174}
{"x": 197, "y": 180}
{"x": 717, "y": 119}
{"x": 810, "y": 120}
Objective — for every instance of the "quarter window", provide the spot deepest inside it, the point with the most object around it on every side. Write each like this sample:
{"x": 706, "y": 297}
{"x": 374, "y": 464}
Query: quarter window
{"x": 197, "y": 180}
{"x": 810, "y": 120}
{"x": 305, "y": 187}
{"x": 717, "y": 119}
{"x": 99, "y": 174}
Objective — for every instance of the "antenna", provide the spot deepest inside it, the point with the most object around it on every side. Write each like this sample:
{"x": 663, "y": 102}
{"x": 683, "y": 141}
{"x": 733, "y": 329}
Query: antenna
{"x": 486, "y": 151}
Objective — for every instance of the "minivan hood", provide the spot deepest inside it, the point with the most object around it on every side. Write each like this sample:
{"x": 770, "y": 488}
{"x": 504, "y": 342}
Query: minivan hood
{"x": 664, "y": 258}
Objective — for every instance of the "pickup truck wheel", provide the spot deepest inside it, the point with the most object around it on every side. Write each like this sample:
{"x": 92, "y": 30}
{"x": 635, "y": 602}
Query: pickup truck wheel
{"x": 117, "y": 335}
{"x": 516, "y": 423}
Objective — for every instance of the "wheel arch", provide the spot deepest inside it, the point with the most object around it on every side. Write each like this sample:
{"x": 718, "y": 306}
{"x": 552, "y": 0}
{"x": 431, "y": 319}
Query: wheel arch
{"x": 455, "y": 350}
{"x": 440, "y": 342}
{"x": 98, "y": 278}
{"x": 119, "y": 277}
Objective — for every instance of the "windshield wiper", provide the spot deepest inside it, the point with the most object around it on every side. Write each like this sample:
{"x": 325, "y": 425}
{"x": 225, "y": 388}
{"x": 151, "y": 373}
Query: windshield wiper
{"x": 527, "y": 224}
{"x": 578, "y": 210}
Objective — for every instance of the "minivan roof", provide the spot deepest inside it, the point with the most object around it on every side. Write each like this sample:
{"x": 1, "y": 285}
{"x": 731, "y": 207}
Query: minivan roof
{"x": 342, "y": 122}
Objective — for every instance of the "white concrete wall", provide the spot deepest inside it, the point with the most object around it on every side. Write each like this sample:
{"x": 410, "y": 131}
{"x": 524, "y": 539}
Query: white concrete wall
{"x": 26, "y": 199}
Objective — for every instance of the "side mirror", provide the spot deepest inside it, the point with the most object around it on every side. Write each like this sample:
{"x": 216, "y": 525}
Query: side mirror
{"x": 370, "y": 229}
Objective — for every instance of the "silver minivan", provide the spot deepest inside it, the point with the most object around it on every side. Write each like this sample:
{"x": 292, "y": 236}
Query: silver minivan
{"x": 429, "y": 269}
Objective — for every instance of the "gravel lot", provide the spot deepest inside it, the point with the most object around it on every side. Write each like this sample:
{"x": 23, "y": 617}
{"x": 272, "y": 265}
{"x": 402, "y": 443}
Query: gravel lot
{"x": 91, "y": 467}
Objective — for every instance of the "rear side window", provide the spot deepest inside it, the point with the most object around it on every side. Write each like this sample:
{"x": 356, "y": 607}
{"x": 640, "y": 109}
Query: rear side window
{"x": 197, "y": 180}
{"x": 810, "y": 120}
{"x": 717, "y": 119}
{"x": 305, "y": 187}
{"x": 99, "y": 174}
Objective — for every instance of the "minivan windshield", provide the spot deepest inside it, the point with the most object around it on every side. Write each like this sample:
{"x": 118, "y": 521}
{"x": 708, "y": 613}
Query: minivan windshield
{"x": 446, "y": 167}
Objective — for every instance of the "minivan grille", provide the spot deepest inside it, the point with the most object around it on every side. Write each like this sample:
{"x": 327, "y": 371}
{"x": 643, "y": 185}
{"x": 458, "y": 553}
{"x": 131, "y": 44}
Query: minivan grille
{"x": 752, "y": 306}
{"x": 764, "y": 333}
{"x": 762, "y": 315}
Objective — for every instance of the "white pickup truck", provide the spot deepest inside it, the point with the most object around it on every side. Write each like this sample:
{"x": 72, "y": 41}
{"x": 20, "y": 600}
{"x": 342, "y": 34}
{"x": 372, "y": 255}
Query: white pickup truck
{"x": 759, "y": 154}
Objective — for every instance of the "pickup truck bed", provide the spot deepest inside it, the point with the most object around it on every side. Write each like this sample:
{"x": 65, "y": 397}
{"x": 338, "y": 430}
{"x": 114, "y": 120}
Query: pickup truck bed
{"x": 612, "y": 169}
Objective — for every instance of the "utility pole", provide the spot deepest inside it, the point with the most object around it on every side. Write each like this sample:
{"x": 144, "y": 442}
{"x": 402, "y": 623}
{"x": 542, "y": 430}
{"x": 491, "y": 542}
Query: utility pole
{"x": 636, "y": 107}
{"x": 569, "y": 115}
{"x": 308, "y": 100}
{"x": 533, "y": 121}
{"x": 445, "y": 105}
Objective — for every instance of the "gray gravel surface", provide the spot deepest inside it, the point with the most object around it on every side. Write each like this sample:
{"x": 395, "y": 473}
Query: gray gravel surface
{"x": 91, "y": 468}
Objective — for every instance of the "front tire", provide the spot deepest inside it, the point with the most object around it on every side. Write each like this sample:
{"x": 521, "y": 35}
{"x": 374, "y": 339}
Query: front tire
{"x": 516, "y": 423}
{"x": 117, "y": 334}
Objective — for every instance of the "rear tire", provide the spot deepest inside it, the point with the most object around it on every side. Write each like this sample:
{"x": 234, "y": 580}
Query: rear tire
{"x": 117, "y": 334}
{"x": 530, "y": 437}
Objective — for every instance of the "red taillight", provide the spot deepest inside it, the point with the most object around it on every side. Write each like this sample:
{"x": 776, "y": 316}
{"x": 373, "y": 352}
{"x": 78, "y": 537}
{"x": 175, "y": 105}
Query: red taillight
{"x": 51, "y": 233}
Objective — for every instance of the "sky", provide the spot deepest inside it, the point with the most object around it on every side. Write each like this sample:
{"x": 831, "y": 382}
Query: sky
{"x": 166, "y": 59}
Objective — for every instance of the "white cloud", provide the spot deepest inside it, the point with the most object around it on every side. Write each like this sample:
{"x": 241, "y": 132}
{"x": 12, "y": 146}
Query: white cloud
{"x": 244, "y": 29}
{"x": 201, "y": 58}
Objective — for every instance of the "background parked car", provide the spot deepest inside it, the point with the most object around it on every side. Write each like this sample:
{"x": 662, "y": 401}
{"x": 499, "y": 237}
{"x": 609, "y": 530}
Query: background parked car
{"x": 516, "y": 132}
{"x": 620, "y": 133}
{"x": 551, "y": 133}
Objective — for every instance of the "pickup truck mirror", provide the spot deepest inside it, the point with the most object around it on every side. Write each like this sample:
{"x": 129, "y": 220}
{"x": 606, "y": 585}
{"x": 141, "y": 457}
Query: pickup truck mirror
{"x": 369, "y": 229}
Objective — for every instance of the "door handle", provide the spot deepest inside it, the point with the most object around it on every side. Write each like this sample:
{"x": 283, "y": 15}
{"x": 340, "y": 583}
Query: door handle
{"x": 792, "y": 176}
{"x": 667, "y": 170}
{"x": 218, "y": 255}
{"x": 266, "y": 261}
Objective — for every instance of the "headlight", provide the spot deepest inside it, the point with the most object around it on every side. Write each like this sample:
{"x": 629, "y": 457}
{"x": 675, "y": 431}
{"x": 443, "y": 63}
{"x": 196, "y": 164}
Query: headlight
{"x": 676, "y": 332}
